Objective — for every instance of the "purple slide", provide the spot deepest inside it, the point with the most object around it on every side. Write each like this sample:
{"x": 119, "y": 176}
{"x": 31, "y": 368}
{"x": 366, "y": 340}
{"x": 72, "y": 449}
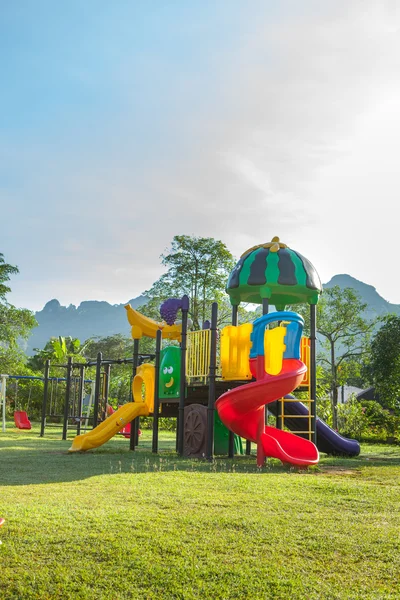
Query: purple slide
{"x": 328, "y": 440}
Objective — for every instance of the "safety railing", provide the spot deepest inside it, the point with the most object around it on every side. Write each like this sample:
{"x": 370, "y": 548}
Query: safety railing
{"x": 198, "y": 355}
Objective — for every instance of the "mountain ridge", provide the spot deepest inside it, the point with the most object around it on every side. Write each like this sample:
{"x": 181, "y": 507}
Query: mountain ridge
{"x": 376, "y": 304}
{"x": 98, "y": 318}
{"x": 91, "y": 318}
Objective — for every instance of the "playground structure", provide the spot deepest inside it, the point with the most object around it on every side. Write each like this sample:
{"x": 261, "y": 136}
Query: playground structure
{"x": 258, "y": 365}
{"x": 56, "y": 403}
{"x": 21, "y": 418}
{"x": 82, "y": 403}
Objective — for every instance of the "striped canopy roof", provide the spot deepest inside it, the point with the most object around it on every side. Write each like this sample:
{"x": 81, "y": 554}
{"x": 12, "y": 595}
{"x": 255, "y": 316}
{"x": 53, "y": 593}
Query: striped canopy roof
{"x": 274, "y": 272}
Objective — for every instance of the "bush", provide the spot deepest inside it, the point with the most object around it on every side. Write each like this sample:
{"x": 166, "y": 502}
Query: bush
{"x": 324, "y": 410}
{"x": 352, "y": 420}
{"x": 382, "y": 424}
{"x": 362, "y": 420}
{"x": 164, "y": 423}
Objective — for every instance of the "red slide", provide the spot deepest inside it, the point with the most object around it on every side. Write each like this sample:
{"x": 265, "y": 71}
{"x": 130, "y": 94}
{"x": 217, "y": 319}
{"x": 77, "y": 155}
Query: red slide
{"x": 242, "y": 410}
{"x": 21, "y": 420}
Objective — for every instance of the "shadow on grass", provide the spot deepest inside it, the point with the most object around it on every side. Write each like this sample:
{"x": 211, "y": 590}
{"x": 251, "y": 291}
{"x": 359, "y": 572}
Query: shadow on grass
{"x": 27, "y": 459}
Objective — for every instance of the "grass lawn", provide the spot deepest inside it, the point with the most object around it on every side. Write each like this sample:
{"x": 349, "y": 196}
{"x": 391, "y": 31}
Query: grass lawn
{"x": 113, "y": 524}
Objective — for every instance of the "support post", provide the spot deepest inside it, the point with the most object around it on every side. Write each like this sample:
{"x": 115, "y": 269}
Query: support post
{"x": 313, "y": 368}
{"x": 67, "y": 396}
{"x": 45, "y": 396}
{"x": 265, "y": 309}
{"x": 107, "y": 371}
{"x": 97, "y": 389}
{"x": 231, "y": 438}
{"x": 156, "y": 392}
{"x": 80, "y": 397}
{"x": 211, "y": 382}
{"x": 265, "y": 306}
{"x": 182, "y": 390}
{"x": 133, "y": 438}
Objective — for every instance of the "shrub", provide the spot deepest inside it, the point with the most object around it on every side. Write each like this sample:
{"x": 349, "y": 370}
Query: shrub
{"x": 324, "y": 410}
{"x": 352, "y": 420}
{"x": 382, "y": 424}
{"x": 164, "y": 423}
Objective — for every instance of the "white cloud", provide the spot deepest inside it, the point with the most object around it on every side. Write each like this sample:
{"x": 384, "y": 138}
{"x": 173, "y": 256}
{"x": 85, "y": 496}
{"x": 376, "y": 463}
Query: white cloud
{"x": 294, "y": 133}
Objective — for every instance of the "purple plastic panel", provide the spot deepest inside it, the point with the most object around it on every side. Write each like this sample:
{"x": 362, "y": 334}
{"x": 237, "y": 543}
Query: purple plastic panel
{"x": 169, "y": 308}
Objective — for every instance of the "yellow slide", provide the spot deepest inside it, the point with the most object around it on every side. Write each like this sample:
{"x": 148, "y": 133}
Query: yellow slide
{"x": 112, "y": 425}
{"x": 143, "y": 405}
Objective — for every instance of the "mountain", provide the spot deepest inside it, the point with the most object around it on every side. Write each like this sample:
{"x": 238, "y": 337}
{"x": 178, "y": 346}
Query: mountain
{"x": 376, "y": 305}
{"x": 91, "y": 318}
{"x": 94, "y": 318}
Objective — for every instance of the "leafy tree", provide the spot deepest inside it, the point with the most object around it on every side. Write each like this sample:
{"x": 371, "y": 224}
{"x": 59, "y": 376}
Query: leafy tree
{"x": 384, "y": 365}
{"x": 198, "y": 267}
{"x": 345, "y": 335}
{"x": 114, "y": 347}
{"x": 5, "y": 271}
{"x": 15, "y": 323}
{"x": 13, "y": 362}
{"x": 59, "y": 349}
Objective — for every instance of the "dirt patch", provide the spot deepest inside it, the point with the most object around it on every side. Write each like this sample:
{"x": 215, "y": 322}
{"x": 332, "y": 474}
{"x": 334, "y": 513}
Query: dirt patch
{"x": 337, "y": 471}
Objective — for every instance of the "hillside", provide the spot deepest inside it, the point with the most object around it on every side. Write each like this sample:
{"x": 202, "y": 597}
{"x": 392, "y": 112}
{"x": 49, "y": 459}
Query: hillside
{"x": 91, "y": 318}
{"x": 376, "y": 304}
{"x": 94, "y": 318}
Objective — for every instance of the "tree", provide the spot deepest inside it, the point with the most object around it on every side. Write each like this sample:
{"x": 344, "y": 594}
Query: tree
{"x": 59, "y": 349}
{"x": 384, "y": 365}
{"x": 114, "y": 346}
{"x": 198, "y": 267}
{"x": 5, "y": 271}
{"x": 346, "y": 336}
{"x": 15, "y": 323}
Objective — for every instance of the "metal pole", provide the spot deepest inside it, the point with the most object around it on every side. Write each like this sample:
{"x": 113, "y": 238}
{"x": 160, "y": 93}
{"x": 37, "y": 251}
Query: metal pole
{"x": 182, "y": 390}
{"x": 235, "y": 315}
{"x": 45, "y": 396}
{"x": 211, "y": 382}
{"x": 156, "y": 392}
{"x": 67, "y": 393}
{"x": 80, "y": 397}
{"x": 107, "y": 371}
{"x": 265, "y": 309}
{"x": 313, "y": 368}
{"x": 97, "y": 389}
{"x": 133, "y": 439}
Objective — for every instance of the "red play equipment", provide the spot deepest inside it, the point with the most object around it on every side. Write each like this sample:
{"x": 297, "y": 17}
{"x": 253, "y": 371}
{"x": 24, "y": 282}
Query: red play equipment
{"x": 276, "y": 365}
{"x": 21, "y": 420}
{"x": 242, "y": 410}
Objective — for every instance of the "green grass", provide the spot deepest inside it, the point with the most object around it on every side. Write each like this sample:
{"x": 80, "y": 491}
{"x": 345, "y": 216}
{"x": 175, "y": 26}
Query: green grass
{"x": 113, "y": 524}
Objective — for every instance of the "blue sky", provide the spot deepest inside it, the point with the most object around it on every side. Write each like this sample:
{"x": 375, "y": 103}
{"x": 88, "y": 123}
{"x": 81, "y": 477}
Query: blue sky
{"x": 123, "y": 124}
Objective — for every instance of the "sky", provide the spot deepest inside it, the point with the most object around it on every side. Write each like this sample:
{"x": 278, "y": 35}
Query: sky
{"x": 125, "y": 123}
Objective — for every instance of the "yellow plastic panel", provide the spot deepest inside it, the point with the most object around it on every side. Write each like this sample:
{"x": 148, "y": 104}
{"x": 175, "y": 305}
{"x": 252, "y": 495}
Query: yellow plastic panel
{"x": 235, "y": 351}
{"x": 274, "y": 348}
{"x": 198, "y": 354}
{"x": 144, "y": 378}
{"x": 305, "y": 357}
